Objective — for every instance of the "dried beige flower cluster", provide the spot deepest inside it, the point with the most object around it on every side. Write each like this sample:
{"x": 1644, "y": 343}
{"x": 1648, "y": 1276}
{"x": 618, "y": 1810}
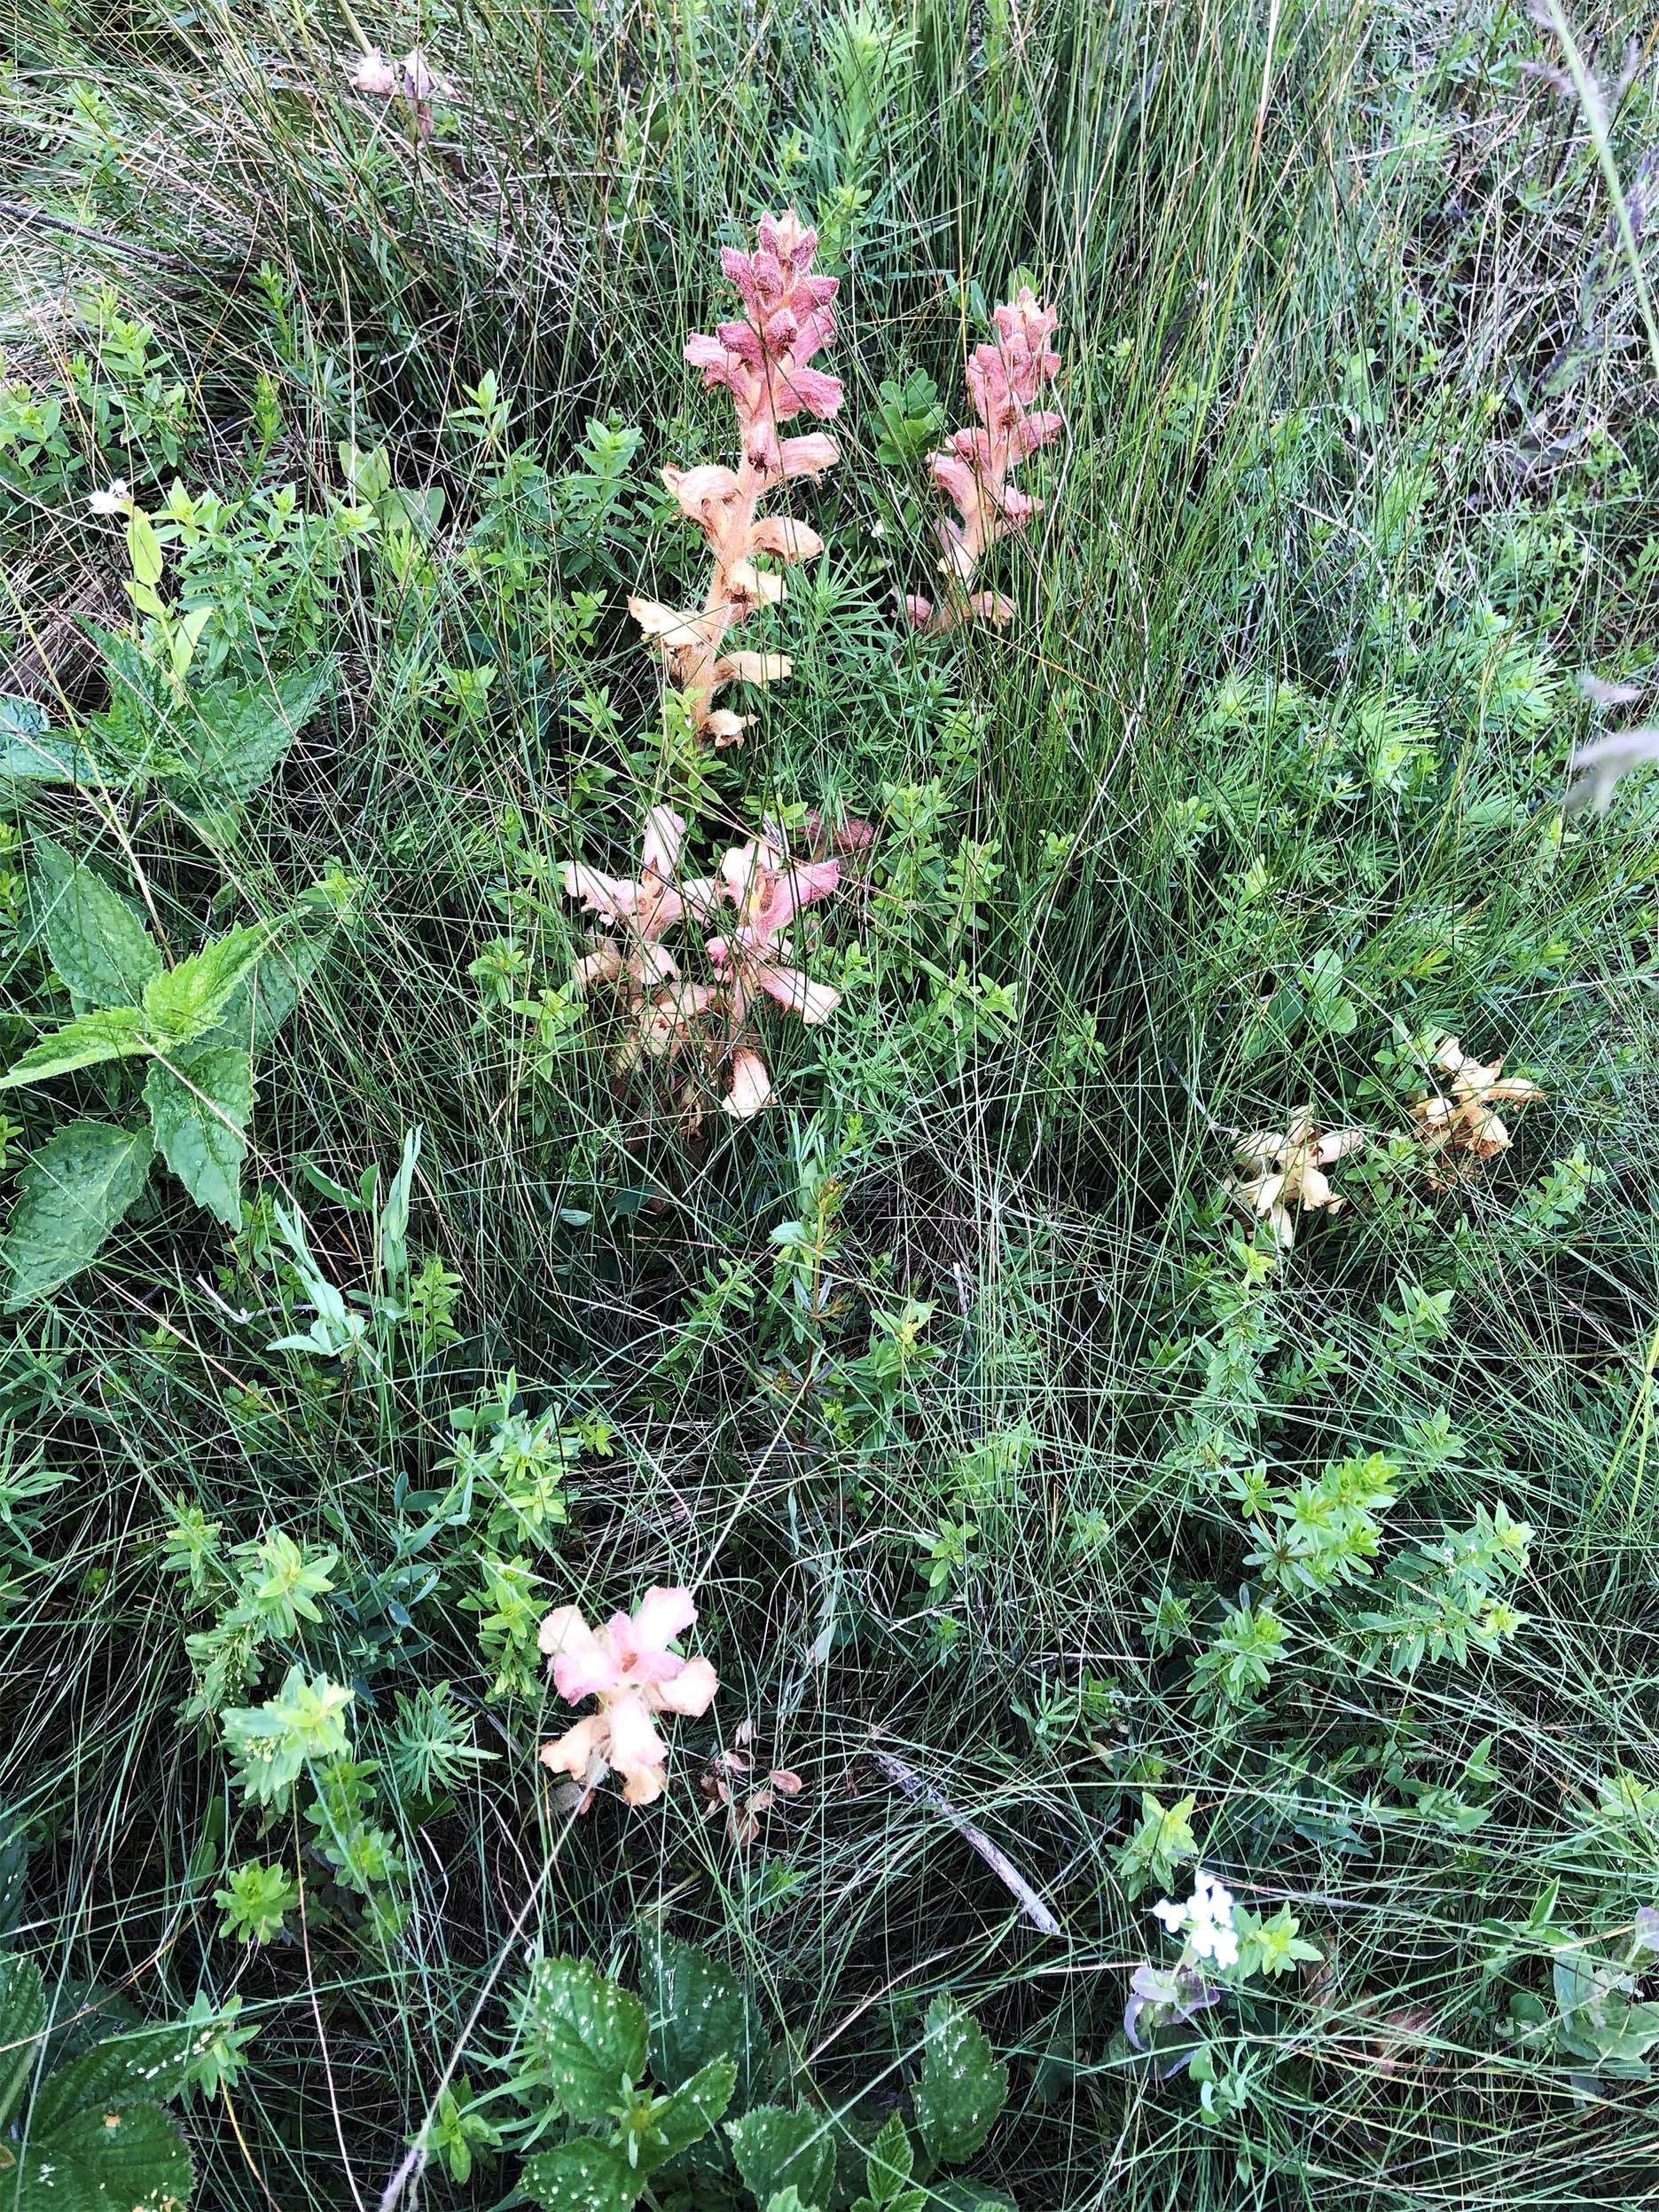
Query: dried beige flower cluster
{"x": 1280, "y": 1173}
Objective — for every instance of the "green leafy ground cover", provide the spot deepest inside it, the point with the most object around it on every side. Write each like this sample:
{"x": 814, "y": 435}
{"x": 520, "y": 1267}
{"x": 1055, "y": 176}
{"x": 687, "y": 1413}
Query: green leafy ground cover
{"x": 1055, "y": 1525}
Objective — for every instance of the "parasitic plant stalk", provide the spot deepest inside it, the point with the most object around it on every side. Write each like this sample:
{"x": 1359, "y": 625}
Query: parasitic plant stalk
{"x": 1005, "y": 381}
{"x": 694, "y": 1031}
{"x": 764, "y": 361}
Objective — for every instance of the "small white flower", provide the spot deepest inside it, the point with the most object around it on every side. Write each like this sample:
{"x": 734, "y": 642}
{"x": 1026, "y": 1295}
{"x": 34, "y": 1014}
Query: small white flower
{"x": 116, "y": 500}
{"x": 1210, "y": 1898}
{"x": 1205, "y": 1919}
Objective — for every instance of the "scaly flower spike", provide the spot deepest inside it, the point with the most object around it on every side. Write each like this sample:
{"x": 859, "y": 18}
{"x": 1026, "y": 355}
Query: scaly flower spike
{"x": 764, "y": 361}
{"x": 1003, "y": 381}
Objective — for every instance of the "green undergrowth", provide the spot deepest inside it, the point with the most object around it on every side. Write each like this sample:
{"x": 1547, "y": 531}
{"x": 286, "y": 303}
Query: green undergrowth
{"x": 1057, "y": 1528}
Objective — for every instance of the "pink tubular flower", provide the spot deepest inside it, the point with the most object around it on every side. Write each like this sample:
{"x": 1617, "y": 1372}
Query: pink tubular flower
{"x": 1004, "y": 380}
{"x": 642, "y": 911}
{"x": 768, "y": 889}
{"x": 628, "y": 1666}
{"x": 763, "y": 362}
{"x": 751, "y": 1085}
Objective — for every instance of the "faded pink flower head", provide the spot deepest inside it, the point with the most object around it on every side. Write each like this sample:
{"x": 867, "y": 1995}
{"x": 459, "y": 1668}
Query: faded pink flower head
{"x": 768, "y": 890}
{"x": 628, "y": 1666}
{"x": 374, "y": 74}
{"x": 382, "y": 79}
{"x": 1004, "y": 380}
{"x": 762, "y": 360}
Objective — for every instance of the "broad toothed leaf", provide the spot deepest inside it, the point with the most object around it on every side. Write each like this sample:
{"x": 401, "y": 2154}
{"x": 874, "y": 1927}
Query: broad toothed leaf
{"x": 583, "y": 2034}
{"x": 114, "y": 1033}
{"x": 70, "y": 1196}
{"x": 963, "y": 2087}
{"x": 198, "y": 1107}
{"x": 99, "y": 945}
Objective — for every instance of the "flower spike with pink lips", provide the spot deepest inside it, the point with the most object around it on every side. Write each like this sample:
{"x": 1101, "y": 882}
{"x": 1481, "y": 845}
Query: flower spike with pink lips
{"x": 763, "y": 361}
{"x": 1005, "y": 380}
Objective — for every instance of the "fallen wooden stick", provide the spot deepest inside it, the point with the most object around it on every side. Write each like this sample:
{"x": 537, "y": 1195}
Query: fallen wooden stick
{"x": 907, "y": 1779}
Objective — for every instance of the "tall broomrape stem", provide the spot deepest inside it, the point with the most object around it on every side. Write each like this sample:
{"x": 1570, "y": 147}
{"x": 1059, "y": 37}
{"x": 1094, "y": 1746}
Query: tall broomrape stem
{"x": 764, "y": 361}
{"x": 709, "y": 1028}
{"x": 1003, "y": 381}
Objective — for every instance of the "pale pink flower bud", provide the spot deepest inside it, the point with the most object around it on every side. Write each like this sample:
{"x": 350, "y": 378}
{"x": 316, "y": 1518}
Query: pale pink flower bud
{"x": 751, "y": 1085}
{"x": 374, "y": 74}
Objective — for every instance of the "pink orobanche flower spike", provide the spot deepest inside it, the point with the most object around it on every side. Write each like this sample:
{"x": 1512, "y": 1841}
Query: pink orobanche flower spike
{"x": 668, "y": 1015}
{"x": 628, "y": 1666}
{"x": 768, "y": 889}
{"x": 764, "y": 361}
{"x": 1005, "y": 381}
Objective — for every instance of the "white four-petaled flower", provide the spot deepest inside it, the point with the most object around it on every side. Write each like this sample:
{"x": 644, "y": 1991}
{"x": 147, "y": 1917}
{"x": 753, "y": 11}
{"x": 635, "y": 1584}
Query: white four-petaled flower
{"x": 116, "y": 500}
{"x": 1205, "y": 1919}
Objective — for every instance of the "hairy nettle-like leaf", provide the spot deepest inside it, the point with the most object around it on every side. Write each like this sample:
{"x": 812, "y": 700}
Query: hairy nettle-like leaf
{"x": 32, "y": 751}
{"x": 583, "y": 2035}
{"x": 888, "y": 2173}
{"x": 188, "y": 1000}
{"x": 199, "y": 1105}
{"x": 963, "y": 2087}
{"x": 586, "y": 2176}
{"x": 685, "y": 2116}
{"x": 98, "y": 943}
{"x": 114, "y": 1033}
{"x": 94, "y": 2139}
{"x": 71, "y": 1194}
{"x": 129, "y": 2158}
{"x": 231, "y": 737}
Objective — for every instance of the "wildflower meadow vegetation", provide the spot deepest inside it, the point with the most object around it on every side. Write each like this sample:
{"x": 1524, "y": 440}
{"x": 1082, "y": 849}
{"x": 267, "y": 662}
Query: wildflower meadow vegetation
{"x": 829, "y": 1215}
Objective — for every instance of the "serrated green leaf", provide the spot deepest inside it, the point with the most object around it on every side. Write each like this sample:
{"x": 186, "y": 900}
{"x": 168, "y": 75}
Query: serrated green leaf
{"x": 774, "y": 2147}
{"x": 189, "y": 999}
{"x": 231, "y": 737}
{"x": 582, "y": 2176}
{"x": 699, "y": 2011}
{"x": 70, "y": 1196}
{"x": 892, "y": 2160}
{"x": 968, "y": 2196}
{"x": 583, "y": 2034}
{"x": 198, "y": 1107}
{"x": 686, "y": 2116}
{"x": 112, "y": 1033}
{"x": 962, "y": 2088}
{"x": 262, "y": 1001}
{"x": 22, "y": 2023}
{"x": 148, "y": 2067}
{"x": 99, "y": 945}
{"x": 34, "y": 752}
{"x": 116, "y": 2158}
